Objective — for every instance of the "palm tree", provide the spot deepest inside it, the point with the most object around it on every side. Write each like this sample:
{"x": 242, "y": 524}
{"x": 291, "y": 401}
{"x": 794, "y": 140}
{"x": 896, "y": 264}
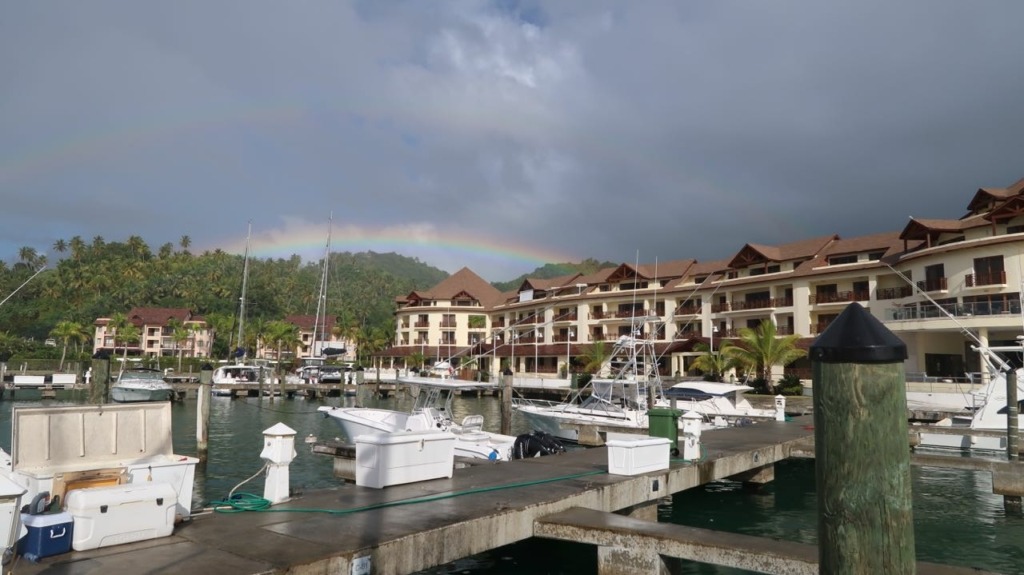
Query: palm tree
{"x": 763, "y": 348}
{"x": 125, "y": 332}
{"x": 180, "y": 334}
{"x": 711, "y": 363}
{"x": 281, "y": 335}
{"x": 65, "y": 331}
{"x": 60, "y": 246}
{"x": 594, "y": 357}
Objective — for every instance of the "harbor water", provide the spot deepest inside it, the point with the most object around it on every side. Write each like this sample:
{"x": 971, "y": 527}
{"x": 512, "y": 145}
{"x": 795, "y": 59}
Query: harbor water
{"x": 958, "y": 521}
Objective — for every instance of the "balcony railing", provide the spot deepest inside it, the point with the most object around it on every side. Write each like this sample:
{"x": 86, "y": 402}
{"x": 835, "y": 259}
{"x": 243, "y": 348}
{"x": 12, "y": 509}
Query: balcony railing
{"x": 894, "y": 293}
{"x": 842, "y": 296}
{"x": 572, "y": 316}
{"x": 986, "y": 279}
{"x": 934, "y": 284}
{"x": 599, "y": 314}
{"x": 964, "y": 310}
{"x": 562, "y": 339}
{"x": 687, "y": 310}
{"x": 500, "y": 322}
{"x": 628, "y": 313}
{"x": 421, "y": 324}
{"x": 449, "y": 323}
{"x": 741, "y": 305}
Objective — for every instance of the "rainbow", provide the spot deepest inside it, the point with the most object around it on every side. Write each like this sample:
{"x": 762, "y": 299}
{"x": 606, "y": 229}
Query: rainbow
{"x": 425, "y": 241}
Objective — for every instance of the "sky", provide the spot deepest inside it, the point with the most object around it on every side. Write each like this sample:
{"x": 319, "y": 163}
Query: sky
{"x": 500, "y": 135}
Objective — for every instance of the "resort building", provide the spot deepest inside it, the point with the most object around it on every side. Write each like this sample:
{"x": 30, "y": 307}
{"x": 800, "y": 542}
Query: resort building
{"x": 163, "y": 332}
{"x": 942, "y": 286}
{"x": 316, "y": 341}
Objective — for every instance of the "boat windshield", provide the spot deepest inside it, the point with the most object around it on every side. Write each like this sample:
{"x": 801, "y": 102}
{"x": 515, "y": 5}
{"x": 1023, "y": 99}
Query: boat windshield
{"x": 434, "y": 400}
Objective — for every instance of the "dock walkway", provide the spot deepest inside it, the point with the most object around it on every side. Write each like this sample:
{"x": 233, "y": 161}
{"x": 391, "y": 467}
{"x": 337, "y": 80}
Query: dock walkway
{"x": 408, "y": 528}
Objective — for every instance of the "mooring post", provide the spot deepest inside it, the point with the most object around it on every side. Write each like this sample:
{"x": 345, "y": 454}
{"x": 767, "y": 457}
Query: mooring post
{"x": 203, "y": 411}
{"x": 100, "y": 377}
{"x": 506, "y": 403}
{"x": 1012, "y": 503}
{"x": 862, "y": 463}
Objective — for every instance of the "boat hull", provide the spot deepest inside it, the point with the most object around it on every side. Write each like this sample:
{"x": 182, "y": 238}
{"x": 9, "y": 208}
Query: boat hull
{"x": 134, "y": 395}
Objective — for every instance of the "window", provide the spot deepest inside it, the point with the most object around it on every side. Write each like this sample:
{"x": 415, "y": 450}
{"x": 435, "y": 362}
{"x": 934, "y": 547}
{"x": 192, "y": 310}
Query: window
{"x": 874, "y": 256}
{"x": 847, "y": 259}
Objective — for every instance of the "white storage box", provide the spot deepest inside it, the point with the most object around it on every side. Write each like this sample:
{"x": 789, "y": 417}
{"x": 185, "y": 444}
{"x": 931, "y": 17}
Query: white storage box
{"x": 118, "y": 514}
{"x": 636, "y": 456}
{"x": 403, "y": 457}
{"x": 59, "y": 449}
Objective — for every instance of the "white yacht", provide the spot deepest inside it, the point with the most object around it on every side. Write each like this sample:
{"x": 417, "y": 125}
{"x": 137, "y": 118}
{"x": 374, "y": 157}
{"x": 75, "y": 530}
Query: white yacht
{"x": 140, "y": 384}
{"x": 431, "y": 410}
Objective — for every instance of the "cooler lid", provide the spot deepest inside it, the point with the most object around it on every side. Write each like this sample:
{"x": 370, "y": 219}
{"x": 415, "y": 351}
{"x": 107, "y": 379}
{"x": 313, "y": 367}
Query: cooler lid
{"x": 45, "y": 437}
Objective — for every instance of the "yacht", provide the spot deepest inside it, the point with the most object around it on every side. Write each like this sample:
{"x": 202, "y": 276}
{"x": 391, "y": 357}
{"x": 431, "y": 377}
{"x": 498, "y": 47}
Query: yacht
{"x": 431, "y": 410}
{"x": 140, "y": 384}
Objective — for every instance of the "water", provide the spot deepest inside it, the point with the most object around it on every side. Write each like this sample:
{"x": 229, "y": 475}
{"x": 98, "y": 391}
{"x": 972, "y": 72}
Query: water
{"x": 958, "y": 521}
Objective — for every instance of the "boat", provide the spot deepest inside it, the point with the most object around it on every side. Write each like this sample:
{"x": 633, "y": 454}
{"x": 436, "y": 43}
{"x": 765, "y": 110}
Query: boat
{"x": 241, "y": 371}
{"x": 618, "y": 401}
{"x": 432, "y": 410}
{"x": 140, "y": 384}
{"x": 713, "y": 400}
{"x": 990, "y": 418}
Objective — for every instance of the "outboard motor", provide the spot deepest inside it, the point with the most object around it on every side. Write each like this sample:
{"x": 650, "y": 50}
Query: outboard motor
{"x": 535, "y": 444}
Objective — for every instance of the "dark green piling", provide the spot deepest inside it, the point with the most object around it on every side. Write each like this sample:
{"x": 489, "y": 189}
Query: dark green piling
{"x": 862, "y": 465}
{"x": 100, "y": 378}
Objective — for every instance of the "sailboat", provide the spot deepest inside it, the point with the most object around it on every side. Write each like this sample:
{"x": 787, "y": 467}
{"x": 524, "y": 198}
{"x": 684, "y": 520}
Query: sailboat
{"x": 241, "y": 371}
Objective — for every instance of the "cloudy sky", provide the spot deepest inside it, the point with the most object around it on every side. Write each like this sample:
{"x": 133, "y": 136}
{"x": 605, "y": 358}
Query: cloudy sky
{"x": 501, "y": 135}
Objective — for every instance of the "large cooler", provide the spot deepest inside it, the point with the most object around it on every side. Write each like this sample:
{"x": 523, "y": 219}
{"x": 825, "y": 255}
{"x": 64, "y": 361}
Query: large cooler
{"x": 48, "y": 534}
{"x": 61, "y": 449}
{"x": 105, "y": 516}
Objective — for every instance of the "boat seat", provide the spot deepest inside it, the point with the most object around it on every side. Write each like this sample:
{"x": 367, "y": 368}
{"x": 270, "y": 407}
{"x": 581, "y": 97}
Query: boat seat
{"x": 473, "y": 423}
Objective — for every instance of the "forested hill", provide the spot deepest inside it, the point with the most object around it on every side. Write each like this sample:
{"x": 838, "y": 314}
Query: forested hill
{"x": 97, "y": 279}
{"x": 100, "y": 278}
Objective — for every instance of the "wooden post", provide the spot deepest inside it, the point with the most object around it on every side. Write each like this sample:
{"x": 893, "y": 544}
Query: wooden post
{"x": 506, "y": 404}
{"x": 203, "y": 411}
{"x": 862, "y": 465}
{"x": 99, "y": 379}
{"x": 1012, "y": 503}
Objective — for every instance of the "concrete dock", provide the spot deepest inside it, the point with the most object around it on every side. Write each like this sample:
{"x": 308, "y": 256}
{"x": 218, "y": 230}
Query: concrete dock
{"x": 407, "y": 528}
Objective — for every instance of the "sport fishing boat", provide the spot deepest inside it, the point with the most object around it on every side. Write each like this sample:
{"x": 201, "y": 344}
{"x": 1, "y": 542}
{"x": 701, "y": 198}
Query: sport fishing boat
{"x": 990, "y": 419}
{"x": 432, "y": 409}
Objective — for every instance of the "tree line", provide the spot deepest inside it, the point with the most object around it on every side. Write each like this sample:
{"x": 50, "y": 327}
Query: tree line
{"x": 99, "y": 278}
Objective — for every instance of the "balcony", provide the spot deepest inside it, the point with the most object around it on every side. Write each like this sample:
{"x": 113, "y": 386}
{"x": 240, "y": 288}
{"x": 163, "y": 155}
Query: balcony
{"x": 743, "y": 305}
{"x": 449, "y": 323}
{"x": 421, "y": 324}
{"x": 687, "y": 310}
{"x": 500, "y": 322}
{"x": 562, "y": 339}
{"x": 934, "y": 284}
{"x": 962, "y": 310}
{"x": 986, "y": 279}
{"x": 894, "y": 293}
{"x": 839, "y": 297}
{"x": 572, "y": 316}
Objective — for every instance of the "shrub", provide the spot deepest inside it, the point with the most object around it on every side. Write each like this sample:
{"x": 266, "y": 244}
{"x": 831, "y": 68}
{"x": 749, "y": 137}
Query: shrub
{"x": 790, "y": 385}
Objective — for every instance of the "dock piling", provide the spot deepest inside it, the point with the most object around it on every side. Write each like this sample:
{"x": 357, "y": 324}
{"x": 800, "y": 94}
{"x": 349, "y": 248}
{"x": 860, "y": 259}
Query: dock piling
{"x": 865, "y": 512}
{"x": 506, "y": 404}
{"x": 1012, "y": 503}
{"x": 100, "y": 377}
{"x": 203, "y": 411}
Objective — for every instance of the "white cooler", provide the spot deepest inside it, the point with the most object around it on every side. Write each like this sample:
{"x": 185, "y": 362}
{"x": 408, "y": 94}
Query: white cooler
{"x": 637, "y": 456}
{"x": 403, "y": 457}
{"x": 105, "y": 516}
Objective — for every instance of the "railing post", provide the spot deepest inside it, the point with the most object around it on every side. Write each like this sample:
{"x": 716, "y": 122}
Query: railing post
{"x": 862, "y": 460}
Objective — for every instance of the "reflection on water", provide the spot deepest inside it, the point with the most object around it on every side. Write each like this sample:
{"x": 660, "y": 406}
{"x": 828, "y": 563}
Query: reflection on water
{"x": 957, "y": 519}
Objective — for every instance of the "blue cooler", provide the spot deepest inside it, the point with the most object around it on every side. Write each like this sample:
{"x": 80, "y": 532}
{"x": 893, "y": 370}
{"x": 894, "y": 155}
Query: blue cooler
{"x": 48, "y": 534}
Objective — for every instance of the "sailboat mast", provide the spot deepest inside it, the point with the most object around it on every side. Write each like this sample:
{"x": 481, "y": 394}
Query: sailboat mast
{"x": 320, "y": 321}
{"x": 241, "y": 300}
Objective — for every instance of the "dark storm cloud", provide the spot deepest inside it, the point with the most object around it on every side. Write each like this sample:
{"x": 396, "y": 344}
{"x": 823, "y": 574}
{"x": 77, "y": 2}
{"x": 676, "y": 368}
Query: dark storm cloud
{"x": 590, "y": 129}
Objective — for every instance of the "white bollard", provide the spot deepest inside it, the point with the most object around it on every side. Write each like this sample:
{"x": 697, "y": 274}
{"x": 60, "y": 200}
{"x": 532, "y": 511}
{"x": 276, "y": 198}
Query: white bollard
{"x": 278, "y": 452}
{"x": 691, "y": 436}
{"x": 780, "y": 408}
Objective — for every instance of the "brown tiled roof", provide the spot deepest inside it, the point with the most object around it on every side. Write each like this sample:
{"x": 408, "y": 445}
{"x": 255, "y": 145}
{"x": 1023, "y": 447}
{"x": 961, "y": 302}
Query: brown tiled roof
{"x": 461, "y": 281}
{"x": 141, "y": 316}
{"x": 666, "y": 270}
{"x": 921, "y": 228}
{"x": 984, "y": 196}
{"x": 549, "y": 283}
{"x": 752, "y": 253}
{"x": 888, "y": 241}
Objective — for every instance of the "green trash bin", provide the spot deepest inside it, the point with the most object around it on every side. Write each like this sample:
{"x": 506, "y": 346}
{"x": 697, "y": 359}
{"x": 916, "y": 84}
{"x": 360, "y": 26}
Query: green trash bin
{"x": 664, "y": 422}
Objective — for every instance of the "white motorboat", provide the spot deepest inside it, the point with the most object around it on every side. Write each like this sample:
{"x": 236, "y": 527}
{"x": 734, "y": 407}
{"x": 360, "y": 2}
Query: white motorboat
{"x": 717, "y": 400}
{"x": 431, "y": 410}
{"x": 140, "y": 384}
{"x": 990, "y": 418}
